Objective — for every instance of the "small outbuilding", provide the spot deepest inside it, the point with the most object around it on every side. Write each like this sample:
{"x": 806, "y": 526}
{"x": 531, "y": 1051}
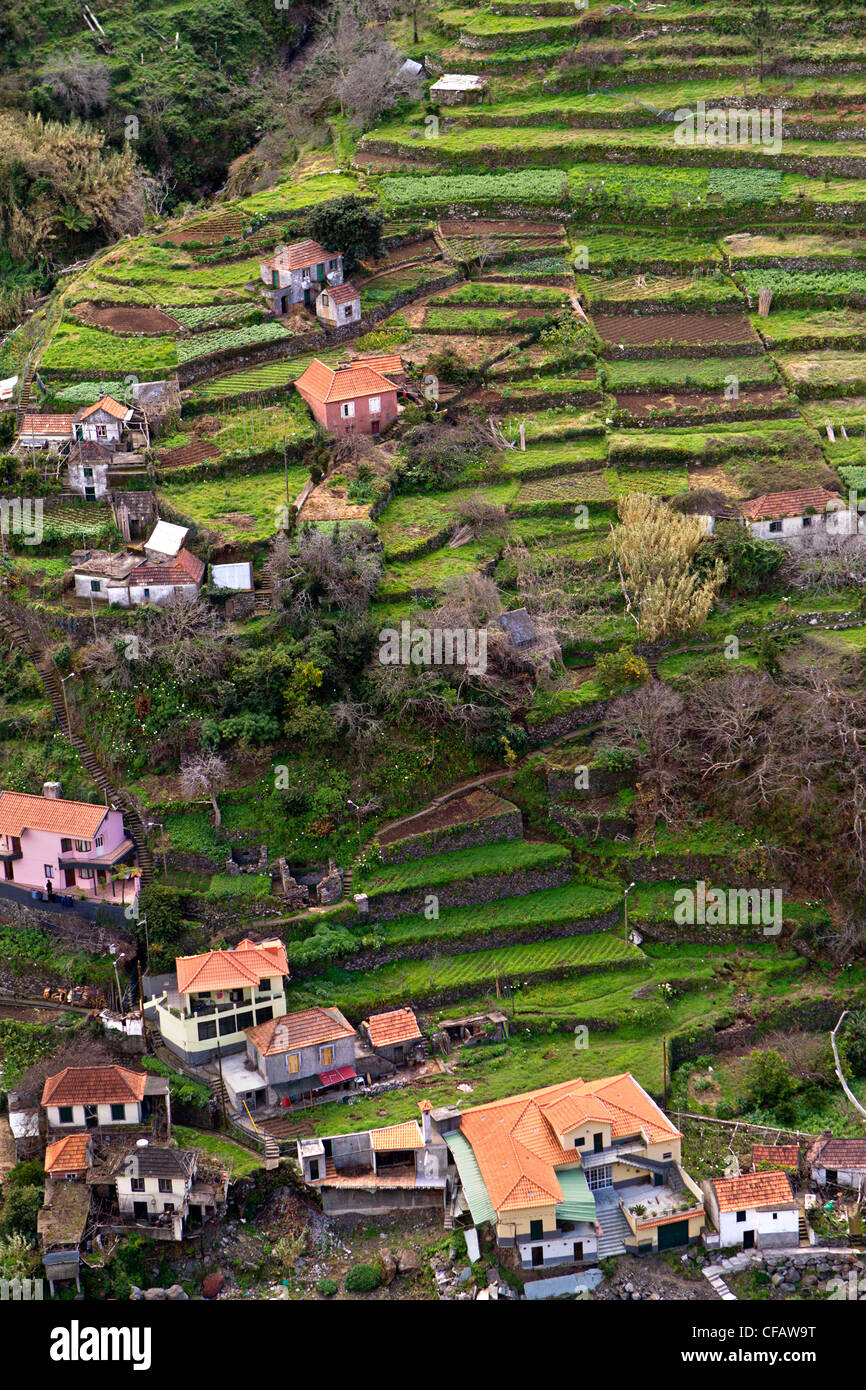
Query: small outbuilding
{"x": 339, "y": 305}
{"x": 754, "y": 1211}
{"x": 459, "y": 89}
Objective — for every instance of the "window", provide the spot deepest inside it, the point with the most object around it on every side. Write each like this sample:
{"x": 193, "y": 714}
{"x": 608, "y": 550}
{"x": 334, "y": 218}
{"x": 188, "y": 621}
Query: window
{"x": 168, "y": 1206}
{"x": 137, "y": 1184}
{"x": 49, "y": 870}
{"x": 325, "y": 300}
{"x": 807, "y": 521}
{"x": 293, "y": 1063}
{"x": 65, "y": 1114}
{"x": 65, "y": 846}
{"x": 775, "y": 1216}
{"x": 536, "y": 1230}
{"x": 667, "y": 1155}
{"x": 118, "y": 1112}
{"x": 165, "y": 1185}
{"x": 347, "y": 410}
{"x": 326, "y": 1056}
{"x": 775, "y": 525}
{"x": 99, "y": 841}
{"x": 599, "y": 1177}
{"x": 244, "y": 1020}
{"x": 597, "y": 1143}
{"x": 206, "y": 1031}
{"x": 375, "y": 405}
{"x": 264, "y": 1015}
{"x": 88, "y": 472}
{"x": 741, "y": 1216}
{"x": 147, "y": 593}
{"x": 85, "y": 873}
{"x": 94, "y": 586}
{"x": 832, "y": 1175}
{"x": 101, "y": 431}
{"x": 347, "y": 311}
{"x": 579, "y": 1143}
{"x": 82, "y": 845}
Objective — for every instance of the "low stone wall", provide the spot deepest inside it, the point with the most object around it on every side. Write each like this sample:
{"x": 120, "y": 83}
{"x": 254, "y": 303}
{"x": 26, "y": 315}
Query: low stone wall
{"x": 225, "y": 913}
{"x": 560, "y": 785}
{"x": 86, "y": 934}
{"x": 739, "y": 869}
{"x": 470, "y": 892}
{"x": 578, "y": 718}
{"x": 600, "y": 827}
{"x": 506, "y": 825}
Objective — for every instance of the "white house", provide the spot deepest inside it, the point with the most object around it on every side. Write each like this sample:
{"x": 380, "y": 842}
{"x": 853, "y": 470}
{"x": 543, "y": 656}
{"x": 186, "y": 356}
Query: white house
{"x": 754, "y": 1211}
{"x": 802, "y": 514}
{"x": 339, "y": 305}
{"x": 86, "y": 1097}
{"x": 841, "y": 1162}
{"x": 158, "y": 581}
{"x": 88, "y": 466}
{"x": 158, "y": 1186}
{"x": 45, "y": 431}
{"x": 94, "y": 570}
{"x": 458, "y": 88}
{"x": 103, "y": 422}
{"x": 237, "y": 576}
{"x": 295, "y": 274}
{"x": 7, "y": 388}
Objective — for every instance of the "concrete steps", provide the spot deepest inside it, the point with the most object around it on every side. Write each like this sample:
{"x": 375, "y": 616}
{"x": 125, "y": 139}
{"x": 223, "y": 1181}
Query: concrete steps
{"x": 614, "y": 1229}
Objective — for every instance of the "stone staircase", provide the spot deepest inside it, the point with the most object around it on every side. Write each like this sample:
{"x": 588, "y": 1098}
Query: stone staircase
{"x": 615, "y": 1228}
{"x": 24, "y": 397}
{"x": 285, "y": 1127}
{"x": 54, "y": 690}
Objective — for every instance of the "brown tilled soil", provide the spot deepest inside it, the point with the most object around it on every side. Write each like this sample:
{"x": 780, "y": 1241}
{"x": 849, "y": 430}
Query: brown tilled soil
{"x": 214, "y": 230}
{"x": 674, "y": 328}
{"x": 473, "y": 806}
{"x": 463, "y": 227}
{"x": 196, "y": 452}
{"x": 413, "y": 251}
{"x": 642, "y": 405}
{"x": 126, "y": 319}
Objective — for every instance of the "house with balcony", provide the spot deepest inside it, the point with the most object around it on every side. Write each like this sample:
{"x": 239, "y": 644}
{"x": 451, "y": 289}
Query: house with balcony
{"x": 61, "y": 847}
{"x": 298, "y": 1058}
{"x": 574, "y": 1172}
{"x": 298, "y": 273}
{"x": 163, "y": 1187}
{"x": 218, "y": 996}
{"x": 397, "y": 1168}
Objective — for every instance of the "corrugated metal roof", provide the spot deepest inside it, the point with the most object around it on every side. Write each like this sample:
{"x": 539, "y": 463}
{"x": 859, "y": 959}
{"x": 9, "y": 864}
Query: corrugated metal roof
{"x": 476, "y": 1193}
{"x": 578, "y": 1203}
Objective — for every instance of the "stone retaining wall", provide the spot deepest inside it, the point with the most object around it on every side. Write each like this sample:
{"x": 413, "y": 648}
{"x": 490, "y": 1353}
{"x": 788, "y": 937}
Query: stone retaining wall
{"x": 469, "y": 892}
{"x": 506, "y": 825}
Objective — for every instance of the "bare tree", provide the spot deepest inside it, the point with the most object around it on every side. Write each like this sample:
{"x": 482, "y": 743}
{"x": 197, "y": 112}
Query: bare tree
{"x": 649, "y": 722}
{"x": 204, "y": 775}
{"x": 77, "y": 84}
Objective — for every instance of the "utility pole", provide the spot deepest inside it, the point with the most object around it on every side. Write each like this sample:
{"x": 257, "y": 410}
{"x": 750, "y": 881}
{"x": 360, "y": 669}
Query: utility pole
{"x": 665, "y": 1072}
{"x": 93, "y": 617}
{"x": 625, "y": 909}
{"x": 286, "y": 469}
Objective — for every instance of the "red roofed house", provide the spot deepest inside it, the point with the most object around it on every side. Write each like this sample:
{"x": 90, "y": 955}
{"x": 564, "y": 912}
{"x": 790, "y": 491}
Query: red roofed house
{"x": 395, "y": 1168}
{"x": 225, "y": 992}
{"x": 87, "y": 1097}
{"x": 394, "y": 1036}
{"x": 73, "y": 846}
{"x": 799, "y": 515}
{"x": 339, "y": 305}
{"x": 754, "y": 1211}
{"x": 295, "y": 274}
{"x": 841, "y": 1162}
{"x": 69, "y": 1157}
{"x": 45, "y": 431}
{"x": 353, "y": 399}
{"x": 309, "y": 1054}
{"x": 158, "y": 581}
{"x": 104, "y": 422}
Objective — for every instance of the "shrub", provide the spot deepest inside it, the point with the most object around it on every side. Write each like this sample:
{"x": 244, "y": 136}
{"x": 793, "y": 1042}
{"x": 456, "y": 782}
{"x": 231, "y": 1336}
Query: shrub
{"x": 328, "y": 1287}
{"x": 363, "y": 1279}
{"x": 616, "y": 670}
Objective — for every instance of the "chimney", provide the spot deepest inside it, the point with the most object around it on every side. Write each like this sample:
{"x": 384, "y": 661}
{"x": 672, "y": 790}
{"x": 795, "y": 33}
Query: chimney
{"x": 426, "y": 1128}
{"x": 51, "y": 790}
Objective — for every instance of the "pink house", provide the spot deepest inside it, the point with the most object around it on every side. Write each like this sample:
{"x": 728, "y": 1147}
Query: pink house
{"x": 64, "y": 846}
{"x": 353, "y": 399}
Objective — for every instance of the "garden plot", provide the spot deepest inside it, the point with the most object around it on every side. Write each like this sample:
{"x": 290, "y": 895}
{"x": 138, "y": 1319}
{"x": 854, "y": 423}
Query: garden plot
{"x": 561, "y": 493}
{"x": 794, "y": 329}
{"x": 645, "y": 407}
{"x": 806, "y": 289}
{"x": 546, "y": 460}
{"x": 126, "y": 318}
{"x": 815, "y": 374}
{"x": 481, "y": 294}
{"x": 77, "y": 351}
{"x": 415, "y": 520}
{"x": 428, "y": 575}
{"x": 793, "y": 251}
{"x": 267, "y": 377}
{"x": 715, "y": 294}
{"x": 689, "y": 373}
{"x": 657, "y": 253}
{"x": 690, "y": 330}
{"x": 463, "y": 227}
{"x": 520, "y": 318}
{"x": 237, "y": 509}
{"x": 186, "y": 455}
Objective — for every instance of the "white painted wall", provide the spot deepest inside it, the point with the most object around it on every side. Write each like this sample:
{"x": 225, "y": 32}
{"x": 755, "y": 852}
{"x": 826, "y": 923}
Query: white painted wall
{"x": 779, "y": 1227}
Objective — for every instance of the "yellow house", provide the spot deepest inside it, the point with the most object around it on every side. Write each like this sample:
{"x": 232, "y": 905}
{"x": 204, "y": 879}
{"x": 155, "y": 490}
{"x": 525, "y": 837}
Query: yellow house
{"x": 577, "y": 1171}
{"x": 219, "y": 994}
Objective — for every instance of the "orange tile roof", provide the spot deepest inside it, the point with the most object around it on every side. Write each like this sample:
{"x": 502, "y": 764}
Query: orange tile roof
{"x": 19, "y": 811}
{"x": 299, "y": 255}
{"x": 307, "y": 1028}
{"x": 68, "y": 1155}
{"x": 46, "y": 424}
{"x": 752, "y": 1190}
{"x": 405, "y": 1136}
{"x": 773, "y": 506}
{"x": 342, "y": 294}
{"x": 185, "y": 568}
{"x": 109, "y": 405}
{"x": 517, "y": 1141}
{"x": 786, "y": 1155}
{"x": 385, "y": 1030}
{"x": 345, "y": 384}
{"x": 111, "y": 1085}
{"x": 388, "y": 363}
{"x": 219, "y": 970}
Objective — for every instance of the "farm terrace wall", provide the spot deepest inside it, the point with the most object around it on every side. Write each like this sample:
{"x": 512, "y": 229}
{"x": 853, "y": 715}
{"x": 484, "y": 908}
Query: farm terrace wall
{"x": 506, "y": 825}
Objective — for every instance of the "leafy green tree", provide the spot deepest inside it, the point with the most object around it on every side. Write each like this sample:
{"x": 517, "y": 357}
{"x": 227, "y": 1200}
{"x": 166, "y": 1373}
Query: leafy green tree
{"x": 769, "y": 1083}
{"x": 350, "y": 225}
{"x": 21, "y": 1207}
